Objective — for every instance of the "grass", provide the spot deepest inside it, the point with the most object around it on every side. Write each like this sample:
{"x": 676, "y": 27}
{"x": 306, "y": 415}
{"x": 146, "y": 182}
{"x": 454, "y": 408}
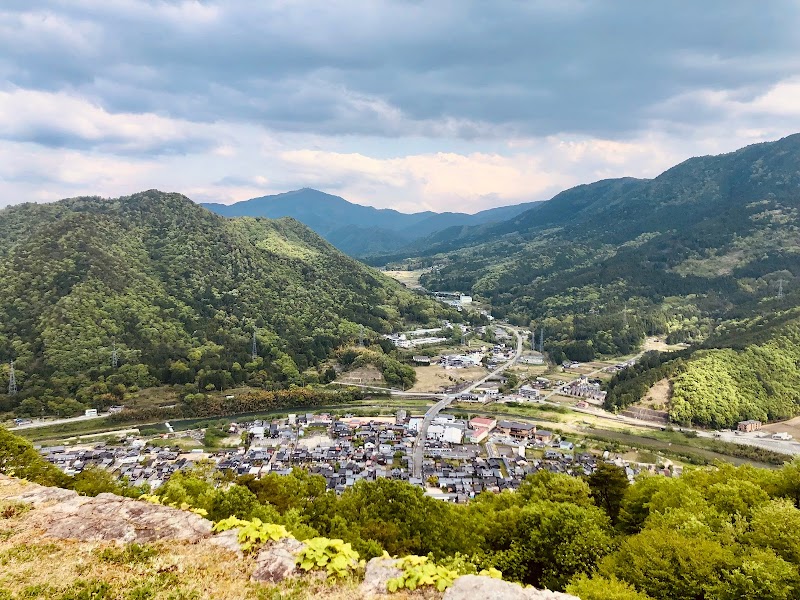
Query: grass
{"x": 687, "y": 449}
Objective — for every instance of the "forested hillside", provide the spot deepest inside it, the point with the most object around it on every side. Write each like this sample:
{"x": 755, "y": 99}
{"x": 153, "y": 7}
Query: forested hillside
{"x": 179, "y": 291}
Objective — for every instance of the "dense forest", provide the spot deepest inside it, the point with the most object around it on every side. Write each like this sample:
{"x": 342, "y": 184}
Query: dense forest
{"x": 179, "y": 293}
{"x": 715, "y": 533}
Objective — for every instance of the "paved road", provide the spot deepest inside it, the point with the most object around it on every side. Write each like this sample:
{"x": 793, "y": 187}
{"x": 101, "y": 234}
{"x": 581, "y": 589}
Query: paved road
{"x": 47, "y": 423}
{"x": 422, "y": 432}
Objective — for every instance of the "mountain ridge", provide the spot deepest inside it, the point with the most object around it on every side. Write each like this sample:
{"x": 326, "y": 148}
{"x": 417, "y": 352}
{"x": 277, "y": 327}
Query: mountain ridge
{"x": 357, "y": 229}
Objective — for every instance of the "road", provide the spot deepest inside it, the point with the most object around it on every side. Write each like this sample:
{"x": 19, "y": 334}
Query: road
{"x": 47, "y": 423}
{"x": 422, "y": 432}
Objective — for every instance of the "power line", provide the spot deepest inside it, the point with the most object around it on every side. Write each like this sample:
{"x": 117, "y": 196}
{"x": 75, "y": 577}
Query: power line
{"x": 12, "y": 381}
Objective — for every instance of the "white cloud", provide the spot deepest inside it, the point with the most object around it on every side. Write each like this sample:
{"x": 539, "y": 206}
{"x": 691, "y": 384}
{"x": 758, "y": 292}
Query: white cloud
{"x": 61, "y": 119}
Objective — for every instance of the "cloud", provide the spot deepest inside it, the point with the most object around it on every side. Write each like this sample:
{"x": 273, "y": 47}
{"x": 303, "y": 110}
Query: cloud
{"x": 63, "y": 120}
{"x": 448, "y": 105}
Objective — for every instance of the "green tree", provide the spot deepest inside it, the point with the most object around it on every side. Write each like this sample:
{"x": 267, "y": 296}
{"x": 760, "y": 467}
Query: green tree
{"x": 554, "y": 541}
{"x": 668, "y": 565}
{"x": 598, "y": 587}
{"x": 20, "y": 459}
{"x": 608, "y": 484}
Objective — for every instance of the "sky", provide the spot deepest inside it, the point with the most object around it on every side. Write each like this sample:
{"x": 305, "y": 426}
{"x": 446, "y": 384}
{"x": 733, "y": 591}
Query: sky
{"x": 456, "y": 105}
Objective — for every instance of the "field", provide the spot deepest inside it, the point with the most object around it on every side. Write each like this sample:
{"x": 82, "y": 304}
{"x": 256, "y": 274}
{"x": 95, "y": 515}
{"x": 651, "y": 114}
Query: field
{"x": 368, "y": 374}
{"x": 408, "y": 278}
{"x": 434, "y": 378}
{"x": 654, "y": 343}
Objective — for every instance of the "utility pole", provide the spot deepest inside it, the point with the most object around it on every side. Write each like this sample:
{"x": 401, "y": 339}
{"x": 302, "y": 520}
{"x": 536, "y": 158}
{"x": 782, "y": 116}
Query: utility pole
{"x": 12, "y": 381}
{"x": 114, "y": 355}
{"x": 254, "y": 351}
{"x": 541, "y": 340}
{"x": 625, "y": 315}
{"x": 780, "y": 288}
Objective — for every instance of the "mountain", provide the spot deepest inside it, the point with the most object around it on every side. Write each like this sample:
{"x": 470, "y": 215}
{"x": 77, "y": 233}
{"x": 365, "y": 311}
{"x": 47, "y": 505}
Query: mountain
{"x": 355, "y": 229}
{"x": 721, "y": 225}
{"x": 709, "y": 246}
{"x": 179, "y": 291}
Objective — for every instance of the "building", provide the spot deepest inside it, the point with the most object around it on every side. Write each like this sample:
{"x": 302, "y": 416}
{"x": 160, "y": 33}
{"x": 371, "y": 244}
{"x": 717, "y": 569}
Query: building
{"x": 483, "y": 423}
{"x": 422, "y": 360}
{"x": 527, "y": 391}
{"x": 532, "y": 359}
{"x": 749, "y": 425}
{"x": 516, "y": 430}
{"x": 543, "y": 436}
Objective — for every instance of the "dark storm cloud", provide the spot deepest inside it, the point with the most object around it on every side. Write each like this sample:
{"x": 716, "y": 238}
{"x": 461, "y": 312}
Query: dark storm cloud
{"x": 437, "y": 69}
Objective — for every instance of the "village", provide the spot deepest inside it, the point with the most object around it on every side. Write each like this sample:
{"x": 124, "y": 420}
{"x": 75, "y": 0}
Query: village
{"x": 463, "y": 457}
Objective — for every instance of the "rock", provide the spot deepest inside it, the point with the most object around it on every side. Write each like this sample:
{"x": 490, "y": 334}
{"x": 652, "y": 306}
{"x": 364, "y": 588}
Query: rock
{"x": 278, "y": 561}
{"x": 38, "y": 495}
{"x": 472, "y": 587}
{"x": 229, "y": 540}
{"x": 379, "y": 571}
{"x": 66, "y": 515}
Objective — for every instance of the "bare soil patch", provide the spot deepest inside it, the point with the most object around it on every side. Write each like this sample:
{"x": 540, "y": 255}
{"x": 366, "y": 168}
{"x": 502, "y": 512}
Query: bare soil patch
{"x": 658, "y": 396}
{"x": 368, "y": 374}
{"x": 655, "y": 343}
{"x": 435, "y": 379}
{"x": 792, "y": 427}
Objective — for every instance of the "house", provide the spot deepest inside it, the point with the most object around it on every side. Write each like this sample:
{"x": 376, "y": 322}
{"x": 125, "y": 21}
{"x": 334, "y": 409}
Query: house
{"x": 476, "y": 436}
{"x": 527, "y": 391}
{"x": 422, "y": 360}
{"x": 544, "y": 436}
{"x": 749, "y": 425}
{"x": 516, "y": 429}
{"x": 483, "y": 423}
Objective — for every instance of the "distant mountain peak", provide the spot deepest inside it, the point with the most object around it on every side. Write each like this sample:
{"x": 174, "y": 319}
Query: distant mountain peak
{"x": 357, "y": 229}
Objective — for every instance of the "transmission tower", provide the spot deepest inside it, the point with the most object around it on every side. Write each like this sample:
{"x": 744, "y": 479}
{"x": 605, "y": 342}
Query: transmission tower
{"x": 114, "y": 355}
{"x": 541, "y": 340}
{"x": 361, "y": 335}
{"x": 625, "y": 316}
{"x": 12, "y": 381}
{"x": 254, "y": 351}
{"x": 780, "y": 288}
